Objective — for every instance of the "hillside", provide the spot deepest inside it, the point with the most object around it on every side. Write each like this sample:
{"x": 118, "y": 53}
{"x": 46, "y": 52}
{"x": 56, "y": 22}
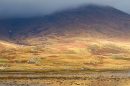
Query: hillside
{"x": 87, "y": 21}
{"x": 88, "y": 37}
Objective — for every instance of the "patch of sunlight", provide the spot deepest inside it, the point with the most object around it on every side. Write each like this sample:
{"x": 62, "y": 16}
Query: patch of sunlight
{"x": 79, "y": 50}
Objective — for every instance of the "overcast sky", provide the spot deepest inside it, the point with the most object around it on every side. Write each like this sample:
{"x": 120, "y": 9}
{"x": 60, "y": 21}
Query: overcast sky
{"x": 31, "y": 8}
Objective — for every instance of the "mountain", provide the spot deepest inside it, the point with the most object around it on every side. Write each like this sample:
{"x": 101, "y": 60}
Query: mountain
{"x": 84, "y": 22}
{"x": 89, "y": 36}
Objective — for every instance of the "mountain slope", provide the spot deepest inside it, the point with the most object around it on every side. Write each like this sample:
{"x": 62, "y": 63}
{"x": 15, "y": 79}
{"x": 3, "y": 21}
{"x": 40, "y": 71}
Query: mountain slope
{"x": 85, "y": 38}
{"x": 87, "y": 21}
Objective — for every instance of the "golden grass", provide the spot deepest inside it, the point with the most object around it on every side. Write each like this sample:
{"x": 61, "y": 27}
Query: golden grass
{"x": 74, "y": 57}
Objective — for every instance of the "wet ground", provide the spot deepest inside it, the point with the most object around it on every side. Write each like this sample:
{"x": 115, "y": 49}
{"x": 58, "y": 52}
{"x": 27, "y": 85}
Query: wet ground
{"x": 65, "y": 79}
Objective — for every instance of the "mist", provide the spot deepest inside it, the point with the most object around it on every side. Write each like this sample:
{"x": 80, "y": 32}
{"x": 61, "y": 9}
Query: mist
{"x": 33, "y": 8}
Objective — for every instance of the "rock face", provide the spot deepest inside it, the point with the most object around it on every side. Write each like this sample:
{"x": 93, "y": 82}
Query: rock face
{"x": 86, "y": 22}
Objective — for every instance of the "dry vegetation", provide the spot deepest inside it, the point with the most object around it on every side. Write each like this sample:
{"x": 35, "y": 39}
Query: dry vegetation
{"x": 65, "y": 79}
{"x": 71, "y": 40}
{"x": 78, "y": 56}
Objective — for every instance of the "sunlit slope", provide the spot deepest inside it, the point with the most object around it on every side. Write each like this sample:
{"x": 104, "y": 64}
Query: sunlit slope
{"x": 85, "y": 38}
{"x": 87, "y": 56}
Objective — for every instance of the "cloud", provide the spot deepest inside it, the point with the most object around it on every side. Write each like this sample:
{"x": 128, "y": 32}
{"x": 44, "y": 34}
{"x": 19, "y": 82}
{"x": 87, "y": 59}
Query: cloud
{"x": 32, "y": 8}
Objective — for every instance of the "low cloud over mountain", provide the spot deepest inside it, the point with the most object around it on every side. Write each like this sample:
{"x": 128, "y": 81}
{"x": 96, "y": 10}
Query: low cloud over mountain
{"x": 32, "y": 8}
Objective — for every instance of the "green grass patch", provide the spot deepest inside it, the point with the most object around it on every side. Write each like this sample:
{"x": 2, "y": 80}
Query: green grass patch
{"x": 117, "y": 56}
{"x": 3, "y": 60}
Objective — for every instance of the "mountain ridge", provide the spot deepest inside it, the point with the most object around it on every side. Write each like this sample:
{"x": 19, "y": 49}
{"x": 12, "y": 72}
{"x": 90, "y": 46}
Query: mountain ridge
{"x": 92, "y": 19}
